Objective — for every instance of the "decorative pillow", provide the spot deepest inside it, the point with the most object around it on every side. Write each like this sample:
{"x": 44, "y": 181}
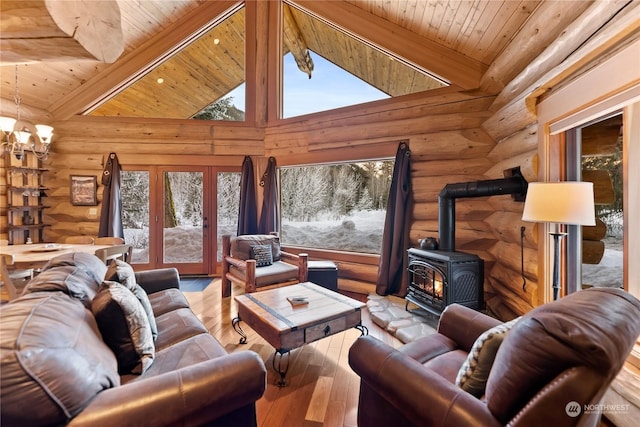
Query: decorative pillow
{"x": 121, "y": 272}
{"x": 241, "y": 245}
{"x": 124, "y": 326}
{"x": 473, "y": 374}
{"x": 262, "y": 255}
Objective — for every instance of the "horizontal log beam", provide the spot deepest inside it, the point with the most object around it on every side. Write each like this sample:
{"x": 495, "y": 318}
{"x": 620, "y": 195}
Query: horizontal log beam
{"x": 420, "y": 51}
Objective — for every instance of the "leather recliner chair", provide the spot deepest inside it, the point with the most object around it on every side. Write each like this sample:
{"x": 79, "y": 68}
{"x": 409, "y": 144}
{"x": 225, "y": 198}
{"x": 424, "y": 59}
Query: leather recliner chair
{"x": 552, "y": 369}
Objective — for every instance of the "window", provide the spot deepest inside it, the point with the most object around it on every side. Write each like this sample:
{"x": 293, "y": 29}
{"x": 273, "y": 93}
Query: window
{"x": 200, "y": 81}
{"x": 599, "y": 160}
{"x": 338, "y": 206}
{"x": 135, "y": 213}
{"x": 228, "y": 201}
{"x": 334, "y": 69}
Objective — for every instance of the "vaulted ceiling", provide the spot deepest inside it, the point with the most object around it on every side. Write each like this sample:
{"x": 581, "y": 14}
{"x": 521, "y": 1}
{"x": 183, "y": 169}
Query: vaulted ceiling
{"x": 457, "y": 40}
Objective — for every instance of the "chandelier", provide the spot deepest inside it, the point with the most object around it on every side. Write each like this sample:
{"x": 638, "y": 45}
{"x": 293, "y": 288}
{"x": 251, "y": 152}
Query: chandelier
{"x": 17, "y": 136}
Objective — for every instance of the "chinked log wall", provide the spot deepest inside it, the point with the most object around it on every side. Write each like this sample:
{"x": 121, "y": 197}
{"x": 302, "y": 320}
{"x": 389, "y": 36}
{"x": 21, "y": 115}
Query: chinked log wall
{"x": 443, "y": 130}
{"x": 83, "y": 143}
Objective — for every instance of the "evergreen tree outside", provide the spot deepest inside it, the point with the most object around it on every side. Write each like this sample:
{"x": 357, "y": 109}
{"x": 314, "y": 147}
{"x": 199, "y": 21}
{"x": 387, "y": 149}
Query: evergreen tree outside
{"x": 222, "y": 109}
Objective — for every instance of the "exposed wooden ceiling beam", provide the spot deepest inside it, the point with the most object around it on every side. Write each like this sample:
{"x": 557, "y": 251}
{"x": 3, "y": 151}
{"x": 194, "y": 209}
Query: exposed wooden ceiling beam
{"x": 417, "y": 50}
{"x": 135, "y": 64}
{"x": 294, "y": 41}
{"x": 46, "y": 30}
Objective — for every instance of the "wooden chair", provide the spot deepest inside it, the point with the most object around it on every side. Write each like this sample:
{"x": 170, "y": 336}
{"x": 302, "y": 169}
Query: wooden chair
{"x": 108, "y": 241}
{"x": 123, "y": 252}
{"x": 13, "y": 280}
{"x": 80, "y": 240}
{"x": 285, "y": 269}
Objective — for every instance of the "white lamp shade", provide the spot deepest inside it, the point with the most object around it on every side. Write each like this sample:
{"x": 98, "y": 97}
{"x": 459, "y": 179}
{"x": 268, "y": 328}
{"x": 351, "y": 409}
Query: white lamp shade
{"x": 7, "y": 123}
{"x": 44, "y": 132}
{"x": 566, "y": 202}
{"x": 23, "y": 136}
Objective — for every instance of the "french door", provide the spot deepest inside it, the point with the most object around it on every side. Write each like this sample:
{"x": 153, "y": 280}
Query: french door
{"x": 171, "y": 215}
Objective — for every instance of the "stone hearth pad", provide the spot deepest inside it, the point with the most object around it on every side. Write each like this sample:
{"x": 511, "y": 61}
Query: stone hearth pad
{"x": 389, "y": 313}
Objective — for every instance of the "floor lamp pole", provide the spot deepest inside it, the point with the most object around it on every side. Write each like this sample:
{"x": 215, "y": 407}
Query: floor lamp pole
{"x": 556, "y": 263}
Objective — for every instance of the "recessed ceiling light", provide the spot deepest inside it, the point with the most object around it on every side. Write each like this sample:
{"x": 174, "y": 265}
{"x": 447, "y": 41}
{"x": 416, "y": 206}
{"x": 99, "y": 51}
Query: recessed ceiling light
{"x": 160, "y": 80}
{"x": 216, "y": 41}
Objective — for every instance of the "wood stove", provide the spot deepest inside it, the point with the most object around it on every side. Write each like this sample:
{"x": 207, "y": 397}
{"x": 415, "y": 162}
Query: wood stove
{"x": 439, "y": 278}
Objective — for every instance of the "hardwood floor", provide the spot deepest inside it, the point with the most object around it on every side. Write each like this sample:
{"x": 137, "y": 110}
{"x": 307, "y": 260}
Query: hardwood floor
{"x": 322, "y": 389}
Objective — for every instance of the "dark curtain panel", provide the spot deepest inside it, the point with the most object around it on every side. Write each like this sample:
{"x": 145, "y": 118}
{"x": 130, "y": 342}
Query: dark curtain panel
{"x": 111, "y": 211}
{"x": 269, "y": 214}
{"x": 392, "y": 272}
{"x": 248, "y": 212}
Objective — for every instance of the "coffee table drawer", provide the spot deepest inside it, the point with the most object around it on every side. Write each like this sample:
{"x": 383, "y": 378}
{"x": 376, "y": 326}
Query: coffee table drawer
{"x": 325, "y": 329}
{"x": 330, "y": 327}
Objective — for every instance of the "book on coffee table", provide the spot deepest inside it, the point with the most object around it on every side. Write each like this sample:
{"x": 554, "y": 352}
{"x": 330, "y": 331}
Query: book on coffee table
{"x": 298, "y": 300}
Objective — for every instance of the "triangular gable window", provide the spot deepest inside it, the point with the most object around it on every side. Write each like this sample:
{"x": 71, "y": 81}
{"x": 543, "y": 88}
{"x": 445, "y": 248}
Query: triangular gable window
{"x": 195, "y": 82}
{"x": 325, "y": 68}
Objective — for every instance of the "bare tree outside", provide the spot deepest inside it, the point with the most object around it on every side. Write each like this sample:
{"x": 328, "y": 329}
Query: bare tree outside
{"x": 228, "y": 205}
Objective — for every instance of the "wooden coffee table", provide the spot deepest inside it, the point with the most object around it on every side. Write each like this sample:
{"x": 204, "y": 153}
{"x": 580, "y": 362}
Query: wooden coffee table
{"x": 286, "y": 326}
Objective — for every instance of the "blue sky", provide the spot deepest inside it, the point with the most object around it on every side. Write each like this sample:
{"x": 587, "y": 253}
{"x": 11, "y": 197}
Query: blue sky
{"x": 329, "y": 87}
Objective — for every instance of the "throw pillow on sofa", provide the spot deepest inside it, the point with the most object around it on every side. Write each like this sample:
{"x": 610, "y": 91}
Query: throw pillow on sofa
{"x": 121, "y": 272}
{"x": 473, "y": 374}
{"x": 124, "y": 326}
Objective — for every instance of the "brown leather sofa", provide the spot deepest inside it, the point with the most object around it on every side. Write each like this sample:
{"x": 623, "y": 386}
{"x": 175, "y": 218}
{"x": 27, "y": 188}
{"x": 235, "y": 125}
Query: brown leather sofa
{"x": 56, "y": 369}
{"x": 552, "y": 368}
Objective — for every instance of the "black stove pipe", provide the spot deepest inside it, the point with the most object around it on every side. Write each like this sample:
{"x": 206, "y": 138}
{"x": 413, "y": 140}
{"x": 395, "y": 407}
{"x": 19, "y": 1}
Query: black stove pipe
{"x": 515, "y": 184}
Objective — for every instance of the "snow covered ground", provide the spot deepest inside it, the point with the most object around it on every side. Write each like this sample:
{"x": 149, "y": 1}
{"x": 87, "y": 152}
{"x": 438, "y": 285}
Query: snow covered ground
{"x": 361, "y": 233}
{"x": 608, "y": 273}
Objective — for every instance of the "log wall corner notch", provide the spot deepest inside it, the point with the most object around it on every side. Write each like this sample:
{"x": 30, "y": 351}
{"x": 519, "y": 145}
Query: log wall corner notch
{"x": 49, "y": 30}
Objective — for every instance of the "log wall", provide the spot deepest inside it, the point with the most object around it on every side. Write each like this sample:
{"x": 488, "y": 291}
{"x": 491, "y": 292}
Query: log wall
{"x": 454, "y": 137}
{"x": 444, "y": 131}
{"x": 82, "y": 144}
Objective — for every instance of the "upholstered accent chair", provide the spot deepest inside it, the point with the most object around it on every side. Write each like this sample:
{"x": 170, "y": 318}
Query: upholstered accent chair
{"x": 257, "y": 262}
{"x": 552, "y": 367}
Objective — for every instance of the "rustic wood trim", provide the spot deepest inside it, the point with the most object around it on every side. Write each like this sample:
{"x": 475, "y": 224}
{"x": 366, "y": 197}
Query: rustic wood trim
{"x": 135, "y": 64}
{"x": 417, "y": 50}
{"x": 332, "y": 255}
{"x": 274, "y": 72}
{"x": 128, "y": 160}
{"x": 251, "y": 61}
{"x": 631, "y": 174}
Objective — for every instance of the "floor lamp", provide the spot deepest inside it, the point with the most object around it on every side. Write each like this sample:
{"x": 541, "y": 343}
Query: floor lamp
{"x": 566, "y": 202}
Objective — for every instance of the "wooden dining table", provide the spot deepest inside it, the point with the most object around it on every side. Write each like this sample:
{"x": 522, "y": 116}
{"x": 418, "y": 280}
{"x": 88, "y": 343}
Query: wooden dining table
{"x": 36, "y": 255}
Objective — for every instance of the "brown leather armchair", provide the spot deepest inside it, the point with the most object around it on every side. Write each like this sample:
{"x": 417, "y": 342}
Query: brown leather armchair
{"x": 552, "y": 369}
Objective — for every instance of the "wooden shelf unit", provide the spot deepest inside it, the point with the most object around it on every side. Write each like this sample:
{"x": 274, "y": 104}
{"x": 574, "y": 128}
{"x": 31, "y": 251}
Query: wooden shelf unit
{"x": 25, "y": 198}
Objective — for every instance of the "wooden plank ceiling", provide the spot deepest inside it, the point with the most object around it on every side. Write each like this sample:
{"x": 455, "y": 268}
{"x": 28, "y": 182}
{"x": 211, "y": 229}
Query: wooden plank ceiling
{"x": 477, "y": 29}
